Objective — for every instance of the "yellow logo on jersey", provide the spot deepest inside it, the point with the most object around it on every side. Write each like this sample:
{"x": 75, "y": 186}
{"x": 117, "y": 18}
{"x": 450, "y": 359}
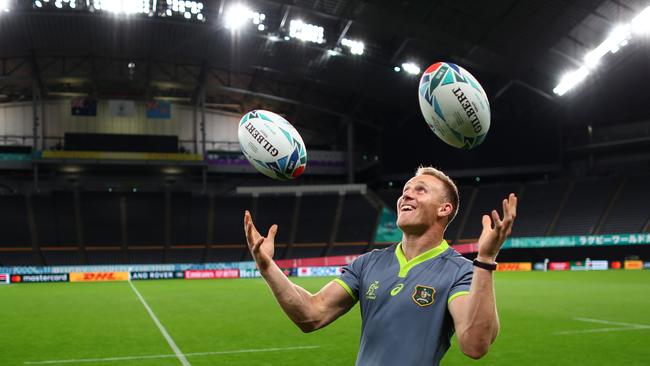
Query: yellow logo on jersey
{"x": 370, "y": 294}
{"x": 397, "y": 289}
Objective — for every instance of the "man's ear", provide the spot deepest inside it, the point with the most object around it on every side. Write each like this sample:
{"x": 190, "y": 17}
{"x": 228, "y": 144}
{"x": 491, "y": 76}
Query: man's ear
{"x": 445, "y": 209}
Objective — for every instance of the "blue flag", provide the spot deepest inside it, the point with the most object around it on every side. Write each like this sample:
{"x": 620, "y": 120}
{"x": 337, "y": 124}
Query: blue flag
{"x": 159, "y": 109}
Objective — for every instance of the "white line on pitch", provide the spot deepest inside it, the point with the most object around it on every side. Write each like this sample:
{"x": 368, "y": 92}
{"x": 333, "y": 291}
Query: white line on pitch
{"x": 600, "y": 330}
{"x": 181, "y": 357}
{"x": 590, "y": 320}
{"x": 130, "y": 358}
{"x": 622, "y": 327}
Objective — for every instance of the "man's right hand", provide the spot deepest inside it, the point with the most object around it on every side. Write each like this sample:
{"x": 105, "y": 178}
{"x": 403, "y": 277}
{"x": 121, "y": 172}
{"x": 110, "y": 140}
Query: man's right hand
{"x": 261, "y": 248}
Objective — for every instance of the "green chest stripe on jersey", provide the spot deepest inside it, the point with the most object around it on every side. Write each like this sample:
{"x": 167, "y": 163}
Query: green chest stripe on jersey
{"x": 405, "y": 266}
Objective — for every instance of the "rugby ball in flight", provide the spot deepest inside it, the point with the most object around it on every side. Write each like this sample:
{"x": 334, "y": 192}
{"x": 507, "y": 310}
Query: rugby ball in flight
{"x": 272, "y": 145}
{"x": 454, "y": 105}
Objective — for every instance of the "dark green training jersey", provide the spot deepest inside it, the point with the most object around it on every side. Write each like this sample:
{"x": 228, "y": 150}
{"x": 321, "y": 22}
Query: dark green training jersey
{"x": 404, "y": 316}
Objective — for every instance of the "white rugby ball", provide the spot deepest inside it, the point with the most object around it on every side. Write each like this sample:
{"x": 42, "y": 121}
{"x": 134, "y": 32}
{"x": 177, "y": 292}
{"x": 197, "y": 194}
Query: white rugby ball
{"x": 454, "y": 105}
{"x": 272, "y": 145}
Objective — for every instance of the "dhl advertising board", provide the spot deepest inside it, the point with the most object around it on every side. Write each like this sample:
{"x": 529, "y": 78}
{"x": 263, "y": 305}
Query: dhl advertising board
{"x": 515, "y": 267}
{"x": 98, "y": 276}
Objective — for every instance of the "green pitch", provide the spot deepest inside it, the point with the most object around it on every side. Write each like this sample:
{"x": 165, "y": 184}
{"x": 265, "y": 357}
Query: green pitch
{"x": 558, "y": 318}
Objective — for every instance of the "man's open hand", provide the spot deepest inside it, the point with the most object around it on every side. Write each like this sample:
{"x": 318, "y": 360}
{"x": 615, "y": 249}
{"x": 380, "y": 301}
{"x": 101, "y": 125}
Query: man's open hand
{"x": 495, "y": 231}
{"x": 261, "y": 248}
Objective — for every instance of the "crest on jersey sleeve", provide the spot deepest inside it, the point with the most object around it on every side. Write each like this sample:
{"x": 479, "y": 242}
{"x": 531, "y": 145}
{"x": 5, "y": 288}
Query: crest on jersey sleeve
{"x": 424, "y": 295}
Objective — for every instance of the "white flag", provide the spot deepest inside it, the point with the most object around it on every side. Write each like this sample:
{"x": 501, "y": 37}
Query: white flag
{"x": 121, "y": 108}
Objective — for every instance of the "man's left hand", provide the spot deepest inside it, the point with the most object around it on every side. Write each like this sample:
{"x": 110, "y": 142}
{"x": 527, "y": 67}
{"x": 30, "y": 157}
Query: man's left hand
{"x": 495, "y": 231}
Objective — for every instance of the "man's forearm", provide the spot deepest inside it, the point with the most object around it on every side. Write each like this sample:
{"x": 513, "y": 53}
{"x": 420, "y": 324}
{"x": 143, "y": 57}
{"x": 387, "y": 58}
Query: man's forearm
{"x": 482, "y": 326}
{"x": 294, "y": 300}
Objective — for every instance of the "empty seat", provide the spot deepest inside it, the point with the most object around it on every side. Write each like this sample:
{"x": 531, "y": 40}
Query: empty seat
{"x": 584, "y": 206}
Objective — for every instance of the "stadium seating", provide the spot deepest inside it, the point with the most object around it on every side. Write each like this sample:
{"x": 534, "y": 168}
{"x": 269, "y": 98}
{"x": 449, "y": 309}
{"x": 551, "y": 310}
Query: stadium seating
{"x": 537, "y": 207}
{"x": 105, "y": 257}
{"x": 229, "y": 219}
{"x": 23, "y": 258}
{"x": 453, "y": 230}
{"x": 274, "y": 210}
{"x": 316, "y": 218}
{"x": 564, "y": 207}
{"x": 61, "y": 257}
{"x": 632, "y": 208}
{"x": 145, "y": 214}
{"x": 489, "y": 197}
{"x": 14, "y": 223}
{"x": 146, "y": 256}
{"x": 100, "y": 213}
{"x": 185, "y": 255}
{"x": 584, "y": 206}
{"x": 358, "y": 220}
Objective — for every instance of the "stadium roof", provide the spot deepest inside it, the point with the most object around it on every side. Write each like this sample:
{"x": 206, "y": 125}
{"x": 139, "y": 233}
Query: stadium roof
{"x": 517, "y": 49}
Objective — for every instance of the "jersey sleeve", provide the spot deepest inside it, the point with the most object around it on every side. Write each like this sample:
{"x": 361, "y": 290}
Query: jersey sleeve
{"x": 462, "y": 281}
{"x": 350, "y": 279}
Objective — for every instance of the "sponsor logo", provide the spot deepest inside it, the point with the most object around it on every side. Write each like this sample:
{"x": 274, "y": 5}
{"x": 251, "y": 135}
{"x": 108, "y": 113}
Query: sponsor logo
{"x": 4, "y": 278}
{"x": 598, "y": 265}
{"x": 251, "y": 273}
{"x": 469, "y": 110}
{"x": 396, "y": 290}
{"x": 157, "y": 275}
{"x": 98, "y": 276}
{"x": 633, "y": 265}
{"x": 210, "y": 274}
{"x": 559, "y": 266}
{"x": 39, "y": 278}
{"x": 259, "y": 137}
{"x": 424, "y": 295}
{"x": 371, "y": 293}
{"x": 514, "y": 266}
{"x": 319, "y": 271}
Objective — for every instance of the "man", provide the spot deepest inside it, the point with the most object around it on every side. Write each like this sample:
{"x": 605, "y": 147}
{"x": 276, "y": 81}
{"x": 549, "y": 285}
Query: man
{"x": 413, "y": 295}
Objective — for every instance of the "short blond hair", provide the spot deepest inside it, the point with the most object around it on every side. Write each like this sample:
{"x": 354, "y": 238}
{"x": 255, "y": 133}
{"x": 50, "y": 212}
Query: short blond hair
{"x": 450, "y": 187}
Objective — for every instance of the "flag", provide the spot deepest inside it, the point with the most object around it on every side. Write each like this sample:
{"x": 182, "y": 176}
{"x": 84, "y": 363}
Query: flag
{"x": 83, "y": 107}
{"x": 121, "y": 108}
{"x": 159, "y": 109}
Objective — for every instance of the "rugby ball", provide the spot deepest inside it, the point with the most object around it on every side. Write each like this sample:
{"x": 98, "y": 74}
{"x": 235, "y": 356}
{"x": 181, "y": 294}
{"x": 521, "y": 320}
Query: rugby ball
{"x": 272, "y": 145}
{"x": 454, "y": 105}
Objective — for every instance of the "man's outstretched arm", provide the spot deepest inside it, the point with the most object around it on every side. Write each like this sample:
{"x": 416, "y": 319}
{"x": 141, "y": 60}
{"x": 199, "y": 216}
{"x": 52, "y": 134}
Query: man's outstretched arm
{"x": 308, "y": 311}
{"x": 475, "y": 315}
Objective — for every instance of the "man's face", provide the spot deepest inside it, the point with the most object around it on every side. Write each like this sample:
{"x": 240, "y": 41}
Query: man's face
{"x": 420, "y": 204}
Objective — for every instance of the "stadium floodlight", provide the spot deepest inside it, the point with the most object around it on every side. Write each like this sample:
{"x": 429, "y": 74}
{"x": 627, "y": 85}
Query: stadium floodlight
{"x": 570, "y": 80}
{"x": 332, "y": 53}
{"x": 4, "y": 5}
{"x": 306, "y": 32}
{"x": 641, "y": 22}
{"x": 236, "y": 16}
{"x": 38, "y": 4}
{"x": 356, "y": 47}
{"x": 619, "y": 38}
{"x": 397, "y": 69}
{"x": 411, "y": 68}
{"x": 122, "y": 6}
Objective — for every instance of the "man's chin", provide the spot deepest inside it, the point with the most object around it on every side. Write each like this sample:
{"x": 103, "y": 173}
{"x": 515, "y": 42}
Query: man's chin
{"x": 408, "y": 228}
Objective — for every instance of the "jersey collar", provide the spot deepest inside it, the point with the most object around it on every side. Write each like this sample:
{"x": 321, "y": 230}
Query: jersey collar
{"x": 405, "y": 266}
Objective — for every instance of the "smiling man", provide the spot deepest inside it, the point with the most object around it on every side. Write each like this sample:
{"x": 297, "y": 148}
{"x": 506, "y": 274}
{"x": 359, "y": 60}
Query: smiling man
{"x": 413, "y": 295}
